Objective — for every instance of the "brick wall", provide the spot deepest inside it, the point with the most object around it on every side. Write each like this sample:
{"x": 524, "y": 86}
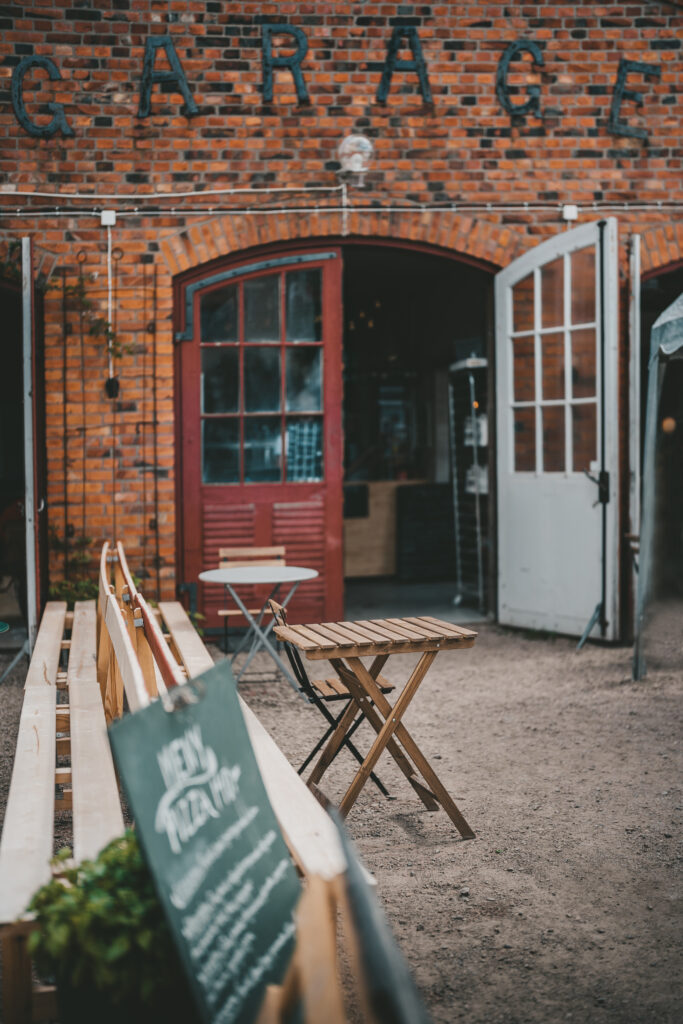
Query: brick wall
{"x": 461, "y": 148}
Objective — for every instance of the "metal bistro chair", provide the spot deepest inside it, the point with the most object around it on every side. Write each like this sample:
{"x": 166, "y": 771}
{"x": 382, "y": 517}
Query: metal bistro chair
{"x": 321, "y": 692}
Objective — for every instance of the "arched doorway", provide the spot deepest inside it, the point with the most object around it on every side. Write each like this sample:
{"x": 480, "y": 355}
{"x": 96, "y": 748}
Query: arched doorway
{"x": 343, "y": 351}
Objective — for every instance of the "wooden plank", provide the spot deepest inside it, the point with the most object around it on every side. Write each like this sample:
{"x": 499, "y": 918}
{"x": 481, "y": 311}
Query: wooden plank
{"x": 63, "y": 746}
{"x": 127, "y": 575}
{"x": 166, "y": 663}
{"x": 65, "y": 801}
{"x": 364, "y": 632}
{"x": 416, "y": 632}
{"x": 131, "y": 674}
{"x": 449, "y": 628}
{"x": 291, "y": 634}
{"x": 63, "y": 718}
{"x": 277, "y": 551}
{"x": 348, "y": 631}
{"x": 331, "y": 636}
{"x": 97, "y": 816}
{"x": 309, "y": 832}
{"x": 187, "y": 642}
{"x": 391, "y": 632}
{"x": 16, "y": 978}
{"x": 45, "y": 1003}
{"x": 26, "y": 846}
{"x": 323, "y": 687}
{"x": 338, "y": 686}
{"x": 317, "y": 955}
{"x": 310, "y": 637}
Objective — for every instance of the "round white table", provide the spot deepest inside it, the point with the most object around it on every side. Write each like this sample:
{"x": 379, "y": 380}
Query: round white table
{"x": 274, "y": 576}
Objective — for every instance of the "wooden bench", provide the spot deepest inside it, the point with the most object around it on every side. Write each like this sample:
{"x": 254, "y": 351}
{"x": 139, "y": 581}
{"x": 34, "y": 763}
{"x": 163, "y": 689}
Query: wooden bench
{"x": 121, "y": 646}
{"x": 48, "y": 729}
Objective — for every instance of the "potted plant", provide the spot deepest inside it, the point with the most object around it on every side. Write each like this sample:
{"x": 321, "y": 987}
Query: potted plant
{"x": 102, "y": 936}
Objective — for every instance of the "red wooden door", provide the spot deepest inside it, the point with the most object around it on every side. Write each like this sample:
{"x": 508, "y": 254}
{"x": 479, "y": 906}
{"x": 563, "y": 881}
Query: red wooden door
{"x": 259, "y": 422}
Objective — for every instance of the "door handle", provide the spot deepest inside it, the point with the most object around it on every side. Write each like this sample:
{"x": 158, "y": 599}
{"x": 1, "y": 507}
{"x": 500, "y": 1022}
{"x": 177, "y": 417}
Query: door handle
{"x": 602, "y": 483}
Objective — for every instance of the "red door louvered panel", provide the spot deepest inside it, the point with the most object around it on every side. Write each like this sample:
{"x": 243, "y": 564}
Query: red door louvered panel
{"x": 259, "y": 421}
{"x": 225, "y": 526}
{"x": 300, "y": 526}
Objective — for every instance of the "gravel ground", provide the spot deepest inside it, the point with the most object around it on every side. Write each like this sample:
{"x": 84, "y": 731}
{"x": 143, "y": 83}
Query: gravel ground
{"x": 566, "y": 906}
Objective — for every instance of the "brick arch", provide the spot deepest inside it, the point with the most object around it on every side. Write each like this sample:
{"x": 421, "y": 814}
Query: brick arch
{"x": 661, "y": 248}
{"x": 485, "y": 243}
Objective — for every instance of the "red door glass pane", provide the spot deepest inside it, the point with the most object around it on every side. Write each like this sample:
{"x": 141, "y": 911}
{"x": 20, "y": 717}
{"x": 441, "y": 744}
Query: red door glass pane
{"x": 552, "y": 294}
{"x": 219, "y": 315}
{"x": 262, "y": 388}
{"x": 552, "y": 365}
{"x": 262, "y": 308}
{"x": 553, "y": 438}
{"x": 525, "y": 440}
{"x": 303, "y": 305}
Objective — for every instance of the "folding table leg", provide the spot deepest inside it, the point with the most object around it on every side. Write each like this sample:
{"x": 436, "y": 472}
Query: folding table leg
{"x": 376, "y": 721}
{"x": 344, "y": 742}
{"x": 393, "y": 724}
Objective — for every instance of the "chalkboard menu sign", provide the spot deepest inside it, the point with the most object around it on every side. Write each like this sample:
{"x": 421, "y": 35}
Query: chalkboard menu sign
{"x": 212, "y": 843}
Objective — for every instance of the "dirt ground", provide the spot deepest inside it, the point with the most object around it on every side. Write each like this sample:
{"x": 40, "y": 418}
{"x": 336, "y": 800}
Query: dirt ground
{"x": 566, "y": 906}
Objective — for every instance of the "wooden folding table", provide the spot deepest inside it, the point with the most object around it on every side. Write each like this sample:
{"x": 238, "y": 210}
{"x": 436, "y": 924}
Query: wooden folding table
{"x": 344, "y": 644}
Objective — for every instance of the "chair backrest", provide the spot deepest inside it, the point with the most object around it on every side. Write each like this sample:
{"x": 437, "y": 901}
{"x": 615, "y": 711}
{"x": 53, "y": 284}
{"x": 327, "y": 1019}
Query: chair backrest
{"x": 293, "y": 656}
{"x": 233, "y": 558}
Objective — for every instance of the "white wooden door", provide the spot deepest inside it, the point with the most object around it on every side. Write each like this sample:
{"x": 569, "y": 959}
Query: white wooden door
{"x": 556, "y": 402}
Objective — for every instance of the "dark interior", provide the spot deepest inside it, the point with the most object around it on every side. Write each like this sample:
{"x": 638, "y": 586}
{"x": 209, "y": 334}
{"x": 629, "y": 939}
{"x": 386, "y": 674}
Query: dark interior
{"x": 408, "y": 316}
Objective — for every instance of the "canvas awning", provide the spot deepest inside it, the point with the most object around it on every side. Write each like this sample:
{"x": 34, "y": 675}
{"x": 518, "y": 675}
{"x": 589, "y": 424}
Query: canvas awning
{"x": 666, "y": 342}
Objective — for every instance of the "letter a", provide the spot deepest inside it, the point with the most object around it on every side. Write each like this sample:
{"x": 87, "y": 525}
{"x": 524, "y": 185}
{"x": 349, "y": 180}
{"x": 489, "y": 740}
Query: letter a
{"x": 392, "y": 63}
{"x": 150, "y": 77}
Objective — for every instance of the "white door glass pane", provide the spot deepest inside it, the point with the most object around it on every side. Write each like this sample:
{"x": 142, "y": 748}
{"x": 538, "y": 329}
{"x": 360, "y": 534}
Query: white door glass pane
{"x": 552, "y": 294}
{"x": 553, "y": 438}
{"x": 552, "y": 364}
{"x": 583, "y": 286}
{"x": 583, "y": 363}
{"x": 525, "y": 440}
{"x": 584, "y": 431}
{"x": 523, "y": 304}
{"x": 523, "y": 388}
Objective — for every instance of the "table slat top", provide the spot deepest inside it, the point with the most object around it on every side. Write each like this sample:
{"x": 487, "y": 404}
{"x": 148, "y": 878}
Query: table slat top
{"x": 327, "y": 640}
